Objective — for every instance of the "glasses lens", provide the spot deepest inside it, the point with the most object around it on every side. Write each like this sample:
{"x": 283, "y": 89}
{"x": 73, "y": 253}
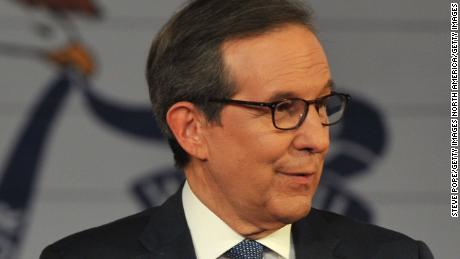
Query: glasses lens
{"x": 334, "y": 107}
{"x": 288, "y": 113}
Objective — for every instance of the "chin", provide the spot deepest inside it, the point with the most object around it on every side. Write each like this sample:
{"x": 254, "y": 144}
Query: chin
{"x": 292, "y": 211}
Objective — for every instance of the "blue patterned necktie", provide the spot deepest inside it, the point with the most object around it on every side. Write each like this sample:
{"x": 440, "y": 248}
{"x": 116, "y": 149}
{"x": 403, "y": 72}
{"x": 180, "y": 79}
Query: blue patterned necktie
{"x": 246, "y": 249}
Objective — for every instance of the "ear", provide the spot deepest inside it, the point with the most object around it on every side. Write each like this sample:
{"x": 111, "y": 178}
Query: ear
{"x": 186, "y": 122}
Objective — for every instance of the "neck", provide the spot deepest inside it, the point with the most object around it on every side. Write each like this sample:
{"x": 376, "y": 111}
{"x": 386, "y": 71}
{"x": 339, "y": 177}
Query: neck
{"x": 202, "y": 186}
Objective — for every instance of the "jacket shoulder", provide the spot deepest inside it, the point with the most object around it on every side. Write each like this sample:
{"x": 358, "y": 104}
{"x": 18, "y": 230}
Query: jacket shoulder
{"x": 118, "y": 239}
{"x": 370, "y": 241}
{"x": 346, "y": 226}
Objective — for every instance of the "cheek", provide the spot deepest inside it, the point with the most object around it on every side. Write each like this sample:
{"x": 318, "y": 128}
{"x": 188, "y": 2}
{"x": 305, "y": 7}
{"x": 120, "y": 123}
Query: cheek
{"x": 258, "y": 154}
{"x": 269, "y": 148}
{"x": 255, "y": 163}
{"x": 247, "y": 150}
{"x": 251, "y": 141}
{"x": 246, "y": 158}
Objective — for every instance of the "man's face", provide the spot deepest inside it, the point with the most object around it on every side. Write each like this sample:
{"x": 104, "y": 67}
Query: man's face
{"x": 266, "y": 176}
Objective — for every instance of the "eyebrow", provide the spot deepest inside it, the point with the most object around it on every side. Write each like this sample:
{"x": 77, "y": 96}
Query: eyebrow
{"x": 329, "y": 86}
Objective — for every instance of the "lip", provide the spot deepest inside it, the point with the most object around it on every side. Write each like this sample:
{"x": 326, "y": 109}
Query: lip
{"x": 304, "y": 178}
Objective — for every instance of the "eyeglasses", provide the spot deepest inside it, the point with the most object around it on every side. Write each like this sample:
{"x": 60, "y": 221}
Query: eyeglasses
{"x": 290, "y": 113}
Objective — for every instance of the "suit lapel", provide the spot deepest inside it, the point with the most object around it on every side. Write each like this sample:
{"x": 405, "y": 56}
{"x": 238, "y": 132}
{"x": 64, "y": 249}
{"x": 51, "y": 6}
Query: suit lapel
{"x": 167, "y": 235}
{"x": 314, "y": 238}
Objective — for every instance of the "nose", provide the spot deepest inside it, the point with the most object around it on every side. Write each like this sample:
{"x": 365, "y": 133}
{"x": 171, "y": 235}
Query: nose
{"x": 312, "y": 136}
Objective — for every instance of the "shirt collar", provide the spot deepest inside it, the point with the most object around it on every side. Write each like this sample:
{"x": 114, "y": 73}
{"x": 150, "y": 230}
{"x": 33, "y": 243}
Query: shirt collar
{"x": 206, "y": 228}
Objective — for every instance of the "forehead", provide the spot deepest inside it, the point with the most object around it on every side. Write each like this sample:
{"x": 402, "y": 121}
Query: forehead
{"x": 288, "y": 61}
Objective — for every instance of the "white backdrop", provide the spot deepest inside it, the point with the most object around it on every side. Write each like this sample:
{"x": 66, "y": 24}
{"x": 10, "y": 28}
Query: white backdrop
{"x": 392, "y": 54}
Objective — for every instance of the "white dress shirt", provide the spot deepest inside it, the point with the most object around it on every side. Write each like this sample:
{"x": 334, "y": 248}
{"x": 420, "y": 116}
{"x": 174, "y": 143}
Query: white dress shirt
{"x": 212, "y": 237}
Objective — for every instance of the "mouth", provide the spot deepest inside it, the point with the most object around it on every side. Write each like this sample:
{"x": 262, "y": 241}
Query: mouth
{"x": 303, "y": 178}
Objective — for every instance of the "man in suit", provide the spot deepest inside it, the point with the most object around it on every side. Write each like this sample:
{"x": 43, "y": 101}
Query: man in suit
{"x": 243, "y": 92}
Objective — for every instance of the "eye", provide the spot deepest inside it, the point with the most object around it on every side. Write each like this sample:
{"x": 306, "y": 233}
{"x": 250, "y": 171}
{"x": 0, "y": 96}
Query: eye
{"x": 290, "y": 107}
{"x": 285, "y": 106}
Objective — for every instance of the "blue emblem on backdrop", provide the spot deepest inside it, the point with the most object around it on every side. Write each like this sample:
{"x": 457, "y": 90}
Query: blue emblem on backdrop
{"x": 19, "y": 174}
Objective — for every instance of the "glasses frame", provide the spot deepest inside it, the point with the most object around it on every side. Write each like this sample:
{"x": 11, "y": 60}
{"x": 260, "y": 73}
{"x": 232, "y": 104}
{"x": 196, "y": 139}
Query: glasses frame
{"x": 272, "y": 105}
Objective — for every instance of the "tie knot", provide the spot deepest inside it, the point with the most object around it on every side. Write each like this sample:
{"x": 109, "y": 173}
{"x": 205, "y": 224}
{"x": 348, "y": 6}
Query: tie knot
{"x": 246, "y": 249}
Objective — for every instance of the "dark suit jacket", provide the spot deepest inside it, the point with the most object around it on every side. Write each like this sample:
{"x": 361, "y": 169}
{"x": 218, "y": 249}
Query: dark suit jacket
{"x": 162, "y": 232}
